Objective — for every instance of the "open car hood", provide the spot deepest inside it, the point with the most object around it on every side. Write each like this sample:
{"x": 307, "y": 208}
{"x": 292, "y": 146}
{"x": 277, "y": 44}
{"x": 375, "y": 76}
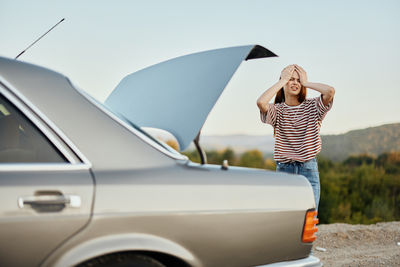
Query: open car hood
{"x": 177, "y": 95}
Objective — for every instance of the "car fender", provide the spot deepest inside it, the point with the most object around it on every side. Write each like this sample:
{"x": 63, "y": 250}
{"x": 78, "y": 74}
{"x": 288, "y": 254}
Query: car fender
{"x": 124, "y": 242}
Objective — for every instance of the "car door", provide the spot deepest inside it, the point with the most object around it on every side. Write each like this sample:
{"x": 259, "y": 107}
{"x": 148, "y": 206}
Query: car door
{"x": 46, "y": 191}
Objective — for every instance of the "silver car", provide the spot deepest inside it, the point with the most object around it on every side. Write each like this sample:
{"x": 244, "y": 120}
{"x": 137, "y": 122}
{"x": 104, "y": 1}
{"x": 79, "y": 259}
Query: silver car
{"x": 81, "y": 184}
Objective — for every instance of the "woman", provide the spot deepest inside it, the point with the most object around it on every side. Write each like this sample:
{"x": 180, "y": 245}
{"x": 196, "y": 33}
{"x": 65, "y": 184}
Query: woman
{"x": 297, "y": 122}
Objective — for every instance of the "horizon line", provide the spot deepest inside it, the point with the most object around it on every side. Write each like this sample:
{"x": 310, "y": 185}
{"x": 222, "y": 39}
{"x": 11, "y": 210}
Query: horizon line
{"x": 356, "y": 129}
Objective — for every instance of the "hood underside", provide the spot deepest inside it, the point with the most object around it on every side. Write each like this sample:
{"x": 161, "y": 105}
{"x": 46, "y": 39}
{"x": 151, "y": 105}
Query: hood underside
{"x": 177, "y": 95}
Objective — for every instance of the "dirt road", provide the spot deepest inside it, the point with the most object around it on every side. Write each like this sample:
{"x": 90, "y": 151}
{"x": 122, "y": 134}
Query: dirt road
{"x": 358, "y": 245}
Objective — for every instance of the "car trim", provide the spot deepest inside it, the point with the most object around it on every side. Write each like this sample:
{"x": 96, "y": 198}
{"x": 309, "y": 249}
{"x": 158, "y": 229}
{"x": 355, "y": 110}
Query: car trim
{"x": 142, "y": 136}
{"x": 17, "y": 98}
{"x": 108, "y": 244}
{"x": 310, "y": 261}
{"x": 20, "y": 167}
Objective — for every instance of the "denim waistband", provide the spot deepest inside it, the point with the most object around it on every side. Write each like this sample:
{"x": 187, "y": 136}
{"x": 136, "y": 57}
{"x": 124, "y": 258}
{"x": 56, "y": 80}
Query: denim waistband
{"x": 299, "y": 163}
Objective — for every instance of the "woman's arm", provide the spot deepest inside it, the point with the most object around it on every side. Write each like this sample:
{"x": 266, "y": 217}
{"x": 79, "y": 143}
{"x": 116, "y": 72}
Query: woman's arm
{"x": 263, "y": 100}
{"x": 327, "y": 91}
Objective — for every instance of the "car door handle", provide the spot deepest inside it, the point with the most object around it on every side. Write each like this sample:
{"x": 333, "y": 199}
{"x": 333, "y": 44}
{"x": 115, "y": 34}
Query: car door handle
{"x": 50, "y": 200}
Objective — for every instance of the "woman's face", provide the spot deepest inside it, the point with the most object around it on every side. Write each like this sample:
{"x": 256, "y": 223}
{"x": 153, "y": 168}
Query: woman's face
{"x": 293, "y": 86}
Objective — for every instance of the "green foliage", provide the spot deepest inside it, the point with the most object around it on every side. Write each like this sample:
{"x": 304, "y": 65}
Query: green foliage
{"x": 213, "y": 156}
{"x": 252, "y": 158}
{"x": 361, "y": 189}
{"x": 193, "y": 155}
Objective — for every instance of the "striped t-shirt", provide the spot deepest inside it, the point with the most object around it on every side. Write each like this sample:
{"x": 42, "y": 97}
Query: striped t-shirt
{"x": 296, "y": 129}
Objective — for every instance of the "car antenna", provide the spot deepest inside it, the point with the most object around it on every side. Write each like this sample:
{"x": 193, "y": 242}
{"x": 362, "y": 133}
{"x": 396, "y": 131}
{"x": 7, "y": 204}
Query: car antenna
{"x": 39, "y": 38}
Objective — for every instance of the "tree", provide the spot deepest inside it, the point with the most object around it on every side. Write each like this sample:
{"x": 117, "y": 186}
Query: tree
{"x": 252, "y": 158}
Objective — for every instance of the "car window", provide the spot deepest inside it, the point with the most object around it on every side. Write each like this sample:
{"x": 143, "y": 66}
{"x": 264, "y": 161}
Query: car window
{"x": 21, "y": 141}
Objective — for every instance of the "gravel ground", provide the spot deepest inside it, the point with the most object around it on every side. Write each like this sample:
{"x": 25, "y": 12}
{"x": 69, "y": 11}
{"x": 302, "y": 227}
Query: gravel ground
{"x": 358, "y": 245}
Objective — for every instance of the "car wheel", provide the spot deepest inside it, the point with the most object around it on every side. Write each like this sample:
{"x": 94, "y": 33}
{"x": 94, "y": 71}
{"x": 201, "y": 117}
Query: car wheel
{"x": 123, "y": 260}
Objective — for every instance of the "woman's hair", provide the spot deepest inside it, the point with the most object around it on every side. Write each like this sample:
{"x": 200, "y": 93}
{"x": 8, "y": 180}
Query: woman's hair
{"x": 280, "y": 96}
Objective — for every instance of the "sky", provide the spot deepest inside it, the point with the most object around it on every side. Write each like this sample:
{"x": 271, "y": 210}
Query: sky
{"x": 350, "y": 45}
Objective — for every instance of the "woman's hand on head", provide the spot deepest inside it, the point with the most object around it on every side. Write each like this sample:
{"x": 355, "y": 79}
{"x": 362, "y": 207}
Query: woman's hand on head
{"x": 287, "y": 72}
{"x": 302, "y": 73}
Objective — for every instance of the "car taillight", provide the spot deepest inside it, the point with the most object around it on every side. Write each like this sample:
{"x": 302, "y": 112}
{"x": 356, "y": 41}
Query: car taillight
{"x": 310, "y": 226}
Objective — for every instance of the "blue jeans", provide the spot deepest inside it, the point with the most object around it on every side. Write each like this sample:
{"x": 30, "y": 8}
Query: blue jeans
{"x": 309, "y": 169}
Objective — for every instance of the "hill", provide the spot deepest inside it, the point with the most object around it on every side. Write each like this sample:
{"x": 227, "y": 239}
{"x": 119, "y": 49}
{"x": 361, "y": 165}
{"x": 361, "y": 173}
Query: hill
{"x": 373, "y": 140}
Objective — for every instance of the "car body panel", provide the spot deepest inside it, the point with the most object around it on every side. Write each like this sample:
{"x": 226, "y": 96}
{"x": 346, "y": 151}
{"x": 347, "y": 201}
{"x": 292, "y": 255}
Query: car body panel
{"x": 200, "y": 188}
{"x": 29, "y": 235}
{"x": 208, "y": 239}
{"x": 192, "y": 205}
{"x": 310, "y": 261}
{"x": 143, "y": 198}
{"x": 178, "y": 94}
